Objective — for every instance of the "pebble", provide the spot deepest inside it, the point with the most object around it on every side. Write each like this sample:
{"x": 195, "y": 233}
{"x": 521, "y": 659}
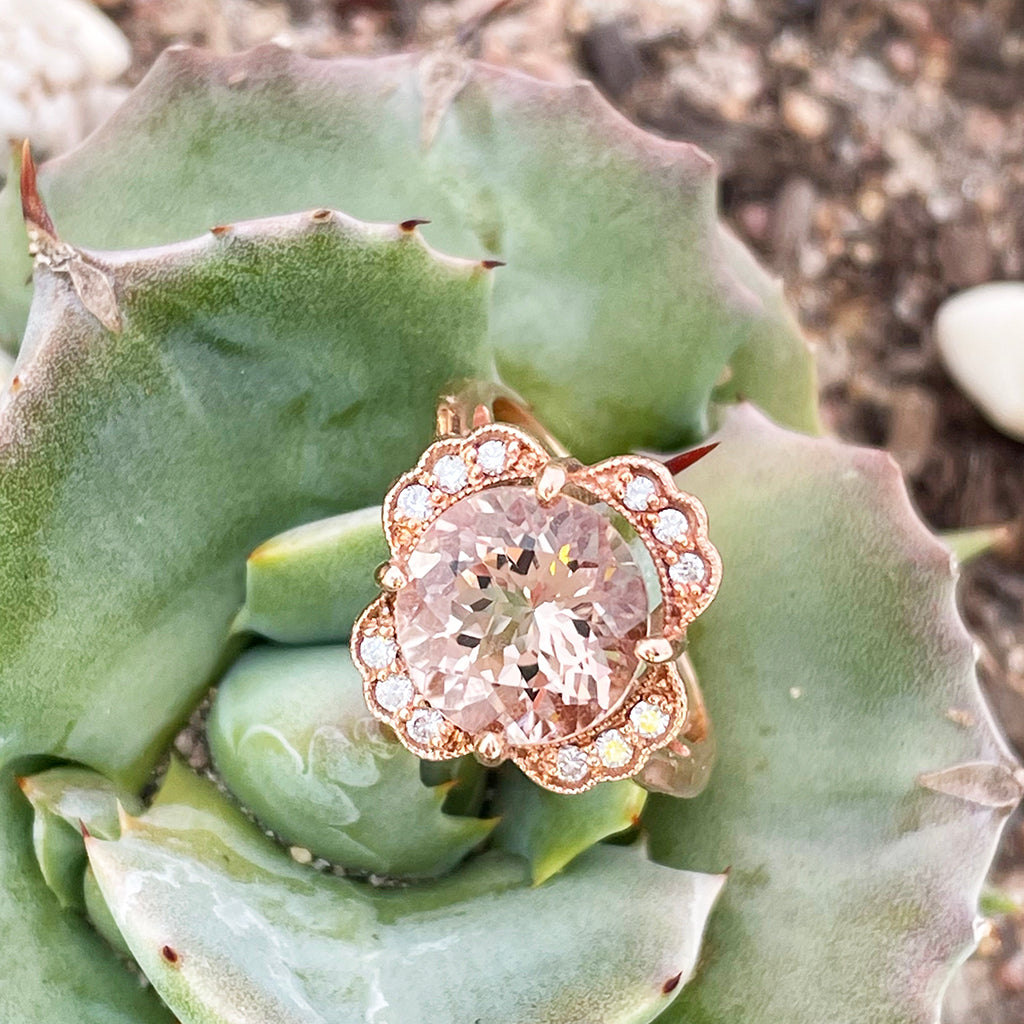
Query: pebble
{"x": 57, "y": 60}
{"x": 805, "y": 114}
{"x": 980, "y": 336}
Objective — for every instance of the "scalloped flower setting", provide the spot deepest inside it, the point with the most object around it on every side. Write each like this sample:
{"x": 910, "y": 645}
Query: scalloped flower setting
{"x": 518, "y": 602}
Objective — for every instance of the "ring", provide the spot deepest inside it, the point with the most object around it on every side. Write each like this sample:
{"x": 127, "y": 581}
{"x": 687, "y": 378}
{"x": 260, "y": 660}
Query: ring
{"x": 533, "y": 608}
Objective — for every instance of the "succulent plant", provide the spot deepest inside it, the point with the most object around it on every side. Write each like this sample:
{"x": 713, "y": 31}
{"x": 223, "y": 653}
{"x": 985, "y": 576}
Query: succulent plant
{"x": 193, "y": 447}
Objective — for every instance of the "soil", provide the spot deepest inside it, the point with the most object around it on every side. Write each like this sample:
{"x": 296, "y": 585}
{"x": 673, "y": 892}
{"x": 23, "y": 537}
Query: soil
{"x": 872, "y": 154}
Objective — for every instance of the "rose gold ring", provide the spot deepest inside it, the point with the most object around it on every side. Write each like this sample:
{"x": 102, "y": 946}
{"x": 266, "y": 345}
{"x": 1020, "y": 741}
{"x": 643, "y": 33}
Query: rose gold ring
{"x": 533, "y": 608}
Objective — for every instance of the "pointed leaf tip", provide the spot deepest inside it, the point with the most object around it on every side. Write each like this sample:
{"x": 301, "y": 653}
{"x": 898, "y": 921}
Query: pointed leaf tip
{"x": 32, "y": 207}
{"x": 686, "y": 459}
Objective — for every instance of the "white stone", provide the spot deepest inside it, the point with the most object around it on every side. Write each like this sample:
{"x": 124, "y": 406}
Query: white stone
{"x": 571, "y": 763}
{"x": 414, "y": 501}
{"x": 451, "y": 473}
{"x": 393, "y": 692}
{"x": 689, "y": 569}
{"x": 425, "y": 726}
{"x": 378, "y": 651}
{"x": 613, "y": 749}
{"x": 491, "y": 456}
{"x": 671, "y": 525}
{"x": 980, "y": 336}
{"x": 56, "y": 60}
{"x": 648, "y": 719}
{"x": 639, "y": 492}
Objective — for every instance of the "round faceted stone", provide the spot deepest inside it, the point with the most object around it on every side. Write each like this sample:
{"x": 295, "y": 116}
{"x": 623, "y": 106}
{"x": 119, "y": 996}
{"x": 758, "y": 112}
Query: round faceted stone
{"x": 613, "y": 749}
{"x": 520, "y": 617}
{"x": 414, "y": 502}
{"x": 571, "y": 763}
{"x": 671, "y": 525}
{"x": 425, "y": 726}
{"x": 451, "y": 473}
{"x": 393, "y": 692}
{"x": 689, "y": 568}
{"x": 639, "y": 492}
{"x": 490, "y": 456}
{"x": 648, "y": 719}
{"x": 378, "y": 651}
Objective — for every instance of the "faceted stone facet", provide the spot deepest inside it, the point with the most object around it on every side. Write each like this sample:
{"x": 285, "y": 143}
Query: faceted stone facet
{"x": 522, "y": 617}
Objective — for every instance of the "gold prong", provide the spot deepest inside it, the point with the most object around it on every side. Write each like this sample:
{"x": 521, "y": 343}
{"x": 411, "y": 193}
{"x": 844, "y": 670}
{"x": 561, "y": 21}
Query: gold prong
{"x": 490, "y": 750}
{"x": 550, "y": 482}
{"x": 655, "y": 650}
{"x": 390, "y": 577}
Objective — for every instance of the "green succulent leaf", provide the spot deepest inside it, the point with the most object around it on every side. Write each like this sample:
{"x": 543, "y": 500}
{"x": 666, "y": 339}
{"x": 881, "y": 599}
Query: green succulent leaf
{"x": 15, "y": 264}
{"x": 246, "y": 393}
{"x": 840, "y": 680}
{"x": 292, "y": 739}
{"x": 550, "y": 830}
{"x": 614, "y": 229}
{"x": 229, "y": 929}
{"x": 56, "y": 966}
{"x": 65, "y": 801}
{"x": 98, "y": 912}
{"x": 307, "y": 585}
{"x": 6, "y": 369}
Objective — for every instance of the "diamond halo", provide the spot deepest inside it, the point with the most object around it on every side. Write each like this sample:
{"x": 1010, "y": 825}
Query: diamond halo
{"x": 521, "y": 606}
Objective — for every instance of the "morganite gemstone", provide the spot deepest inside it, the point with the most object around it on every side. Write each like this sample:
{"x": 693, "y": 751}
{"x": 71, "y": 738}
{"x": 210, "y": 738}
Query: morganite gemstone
{"x": 521, "y": 618}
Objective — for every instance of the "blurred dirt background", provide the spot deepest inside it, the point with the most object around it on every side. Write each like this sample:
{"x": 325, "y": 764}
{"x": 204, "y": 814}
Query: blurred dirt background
{"x": 872, "y": 153}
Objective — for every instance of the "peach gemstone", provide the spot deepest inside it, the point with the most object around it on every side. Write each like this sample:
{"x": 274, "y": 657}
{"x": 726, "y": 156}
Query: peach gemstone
{"x": 521, "y": 618}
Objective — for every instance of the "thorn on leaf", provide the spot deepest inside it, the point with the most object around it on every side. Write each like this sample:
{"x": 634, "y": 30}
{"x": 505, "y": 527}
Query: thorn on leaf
{"x": 672, "y": 983}
{"x": 686, "y": 459}
{"x": 413, "y": 223}
{"x": 491, "y": 264}
{"x": 32, "y": 207}
{"x": 221, "y": 229}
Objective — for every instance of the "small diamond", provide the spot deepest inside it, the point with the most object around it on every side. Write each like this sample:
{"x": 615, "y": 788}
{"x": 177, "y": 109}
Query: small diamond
{"x": 689, "y": 569}
{"x": 450, "y": 473}
{"x": 393, "y": 692}
{"x": 613, "y": 749}
{"x": 414, "y": 502}
{"x": 490, "y": 456}
{"x": 425, "y": 726}
{"x": 571, "y": 764}
{"x": 671, "y": 525}
{"x": 648, "y": 719}
{"x": 378, "y": 651}
{"x": 639, "y": 492}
